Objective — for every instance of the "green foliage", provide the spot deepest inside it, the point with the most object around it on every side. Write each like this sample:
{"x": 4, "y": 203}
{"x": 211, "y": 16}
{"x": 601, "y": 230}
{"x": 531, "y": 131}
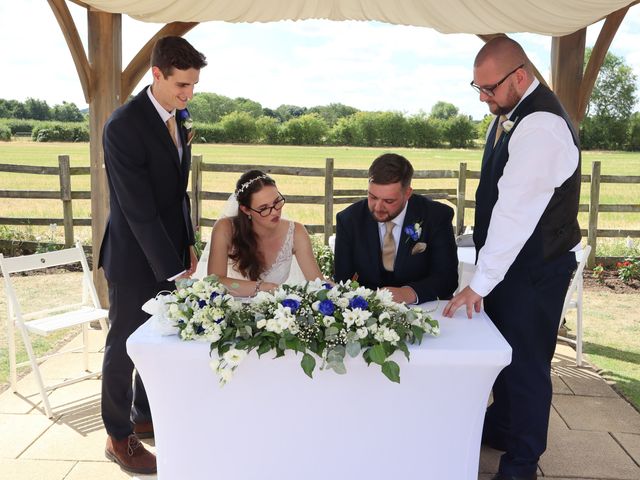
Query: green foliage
{"x": 17, "y": 126}
{"x": 425, "y": 131}
{"x": 37, "y": 109}
{"x": 268, "y": 130}
{"x": 333, "y": 112}
{"x": 308, "y": 129}
{"x": 324, "y": 256}
{"x": 459, "y": 131}
{"x": 208, "y": 133}
{"x": 287, "y": 112}
{"x": 67, "y": 112}
{"x": 634, "y": 132}
{"x": 482, "y": 127}
{"x": 598, "y": 273}
{"x": 60, "y": 132}
{"x": 239, "y": 127}
{"x": 629, "y": 269}
{"x": 5, "y": 133}
{"x": 444, "y": 110}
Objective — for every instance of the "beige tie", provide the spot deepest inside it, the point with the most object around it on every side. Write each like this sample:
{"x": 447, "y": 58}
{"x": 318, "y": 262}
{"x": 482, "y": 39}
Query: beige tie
{"x": 502, "y": 118}
{"x": 388, "y": 247}
{"x": 171, "y": 125}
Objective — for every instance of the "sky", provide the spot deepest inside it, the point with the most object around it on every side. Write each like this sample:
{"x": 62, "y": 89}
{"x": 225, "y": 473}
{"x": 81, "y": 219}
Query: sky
{"x": 367, "y": 65}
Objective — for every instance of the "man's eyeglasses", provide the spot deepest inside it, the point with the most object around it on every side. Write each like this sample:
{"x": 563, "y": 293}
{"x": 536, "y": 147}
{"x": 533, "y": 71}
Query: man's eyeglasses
{"x": 488, "y": 91}
{"x": 266, "y": 211}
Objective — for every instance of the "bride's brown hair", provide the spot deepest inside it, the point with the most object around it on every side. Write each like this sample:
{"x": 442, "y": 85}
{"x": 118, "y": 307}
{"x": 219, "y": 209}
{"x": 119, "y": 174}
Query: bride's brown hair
{"x": 244, "y": 245}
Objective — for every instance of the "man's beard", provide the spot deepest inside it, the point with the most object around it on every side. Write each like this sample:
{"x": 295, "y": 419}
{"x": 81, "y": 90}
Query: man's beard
{"x": 390, "y": 215}
{"x": 510, "y": 104}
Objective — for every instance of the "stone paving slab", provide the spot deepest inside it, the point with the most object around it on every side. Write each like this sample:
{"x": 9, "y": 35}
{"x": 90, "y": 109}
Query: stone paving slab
{"x": 559, "y": 387}
{"x": 17, "y": 432}
{"x": 584, "y": 381}
{"x": 32, "y": 469}
{"x": 584, "y": 454}
{"x": 103, "y": 471}
{"x": 631, "y": 444}
{"x": 601, "y": 414}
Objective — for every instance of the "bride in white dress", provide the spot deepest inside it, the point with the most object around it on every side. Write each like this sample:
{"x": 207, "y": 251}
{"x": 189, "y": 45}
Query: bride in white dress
{"x": 254, "y": 249}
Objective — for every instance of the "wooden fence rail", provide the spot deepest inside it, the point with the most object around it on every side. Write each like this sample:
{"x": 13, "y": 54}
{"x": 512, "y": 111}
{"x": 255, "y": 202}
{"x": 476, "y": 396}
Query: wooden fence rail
{"x": 458, "y": 197}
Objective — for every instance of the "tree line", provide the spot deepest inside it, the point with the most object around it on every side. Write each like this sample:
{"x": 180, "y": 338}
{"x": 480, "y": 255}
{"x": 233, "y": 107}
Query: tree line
{"x": 610, "y": 123}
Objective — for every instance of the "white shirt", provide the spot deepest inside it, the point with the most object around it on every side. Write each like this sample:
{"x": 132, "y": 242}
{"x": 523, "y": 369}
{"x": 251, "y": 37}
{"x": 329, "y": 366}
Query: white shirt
{"x": 398, "y": 221}
{"x": 165, "y": 117}
{"x": 397, "y": 228}
{"x": 542, "y": 156}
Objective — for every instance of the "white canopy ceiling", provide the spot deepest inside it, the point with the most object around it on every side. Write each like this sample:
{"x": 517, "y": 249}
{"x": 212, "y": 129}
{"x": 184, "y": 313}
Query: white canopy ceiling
{"x": 546, "y": 17}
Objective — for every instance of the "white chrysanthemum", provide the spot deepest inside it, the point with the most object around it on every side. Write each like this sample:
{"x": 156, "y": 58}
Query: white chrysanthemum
{"x": 333, "y": 294}
{"x": 385, "y": 297}
{"x": 384, "y": 316}
{"x": 391, "y": 336}
{"x": 273, "y": 326}
{"x": 261, "y": 323}
{"x": 373, "y": 328}
{"x": 263, "y": 298}
{"x": 234, "y": 356}
{"x": 362, "y": 332}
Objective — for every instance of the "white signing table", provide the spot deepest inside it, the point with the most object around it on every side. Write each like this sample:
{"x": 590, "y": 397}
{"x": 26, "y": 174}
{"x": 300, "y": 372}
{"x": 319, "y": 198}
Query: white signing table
{"x": 272, "y": 421}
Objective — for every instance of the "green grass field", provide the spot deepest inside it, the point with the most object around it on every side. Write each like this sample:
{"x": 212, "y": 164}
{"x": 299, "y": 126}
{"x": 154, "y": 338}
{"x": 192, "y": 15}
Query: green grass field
{"x": 32, "y": 153}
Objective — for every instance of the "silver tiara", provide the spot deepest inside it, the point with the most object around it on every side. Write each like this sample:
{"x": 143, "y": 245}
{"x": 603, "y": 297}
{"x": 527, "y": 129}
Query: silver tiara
{"x": 245, "y": 185}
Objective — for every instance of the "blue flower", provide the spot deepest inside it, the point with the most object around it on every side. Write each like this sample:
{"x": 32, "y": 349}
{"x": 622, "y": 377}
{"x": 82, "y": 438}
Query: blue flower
{"x": 291, "y": 303}
{"x": 187, "y": 122}
{"x": 200, "y": 330}
{"x": 214, "y": 295}
{"x": 326, "y": 307}
{"x": 202, "y": 303}
{"x": 358, "y": 302}
{"x": 414, "y": 231}
{"x": 328, "y": 286}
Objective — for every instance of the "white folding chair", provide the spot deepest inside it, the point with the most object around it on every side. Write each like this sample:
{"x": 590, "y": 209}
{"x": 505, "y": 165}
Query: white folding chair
{"x": 201, "y": 269}
{"x": 573, "y": 299}
{"x": 46, "y": 321}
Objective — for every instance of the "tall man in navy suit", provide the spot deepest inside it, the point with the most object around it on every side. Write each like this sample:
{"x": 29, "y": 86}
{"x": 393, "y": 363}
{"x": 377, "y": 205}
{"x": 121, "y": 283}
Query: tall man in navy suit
{"x": 149, "y": 239}
{"x": 525, "y": 230}
{"x": 397, "y": 240}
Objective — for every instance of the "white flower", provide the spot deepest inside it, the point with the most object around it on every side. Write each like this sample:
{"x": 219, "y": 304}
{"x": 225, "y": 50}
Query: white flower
{"x": 261, "y": 323}
{"x": 234, "y": 356}
{"x": 225, "y": 374}
{"x": 342, "y": 302}
{"x": 328, "y": 320}
{"x": 385, "y": 297}
{"x": 315, "y": 305}
{"x": 362, "y": 332}
{"x": 214, "y": 364}
{"x": 507, "y": 125}
{"x": 384, "y": 316}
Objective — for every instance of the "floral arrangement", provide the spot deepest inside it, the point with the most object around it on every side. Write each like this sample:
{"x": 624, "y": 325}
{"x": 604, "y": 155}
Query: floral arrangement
{"x": 320, "y": 321}
{"x": 187, "y": 123}
{"x": 414, "y": 231}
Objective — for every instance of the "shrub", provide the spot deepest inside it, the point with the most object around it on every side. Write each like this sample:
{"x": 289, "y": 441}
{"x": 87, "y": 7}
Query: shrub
{"x": 268, "y": 130}
{"x": 309, "y": 129}
{"x": 5, "y": 133}
{"x": 629, "y": 269}
{"x": 459, "y": 131}
{"x": 60, "y": 132}
{"x": 239, "y": 127}
{"x": 208, "y": 133}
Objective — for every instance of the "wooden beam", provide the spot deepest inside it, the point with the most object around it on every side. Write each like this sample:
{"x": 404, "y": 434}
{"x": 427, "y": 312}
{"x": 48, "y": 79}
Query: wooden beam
{"x": 70, "y": 32}
{"x": 598, "y": 54}
{"x": 140, "y": 63}
{"x": 567, "y": 61}
{"x": 490, "y": 36}
{"x": 105, "y": 55}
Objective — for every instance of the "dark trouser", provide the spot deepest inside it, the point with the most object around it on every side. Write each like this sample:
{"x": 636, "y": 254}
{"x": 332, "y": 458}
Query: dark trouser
{"x": 526, "y": 308}
{"x": 124, "y": 399}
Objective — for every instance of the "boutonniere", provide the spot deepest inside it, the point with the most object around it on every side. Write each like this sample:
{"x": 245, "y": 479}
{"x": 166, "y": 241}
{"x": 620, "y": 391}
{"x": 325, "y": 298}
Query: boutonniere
{"x": 187, "y": 124}
{"x": 507, "y": 125}
{"x": 413, "y": 231}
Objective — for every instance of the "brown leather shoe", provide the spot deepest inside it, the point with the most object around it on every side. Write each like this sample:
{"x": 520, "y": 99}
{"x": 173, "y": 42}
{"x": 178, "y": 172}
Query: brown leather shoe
{"x": 130, "y": 454}
{"x": 143, "y": 430}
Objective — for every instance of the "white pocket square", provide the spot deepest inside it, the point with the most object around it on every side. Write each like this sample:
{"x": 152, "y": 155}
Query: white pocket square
{"x": 418, "y": 248}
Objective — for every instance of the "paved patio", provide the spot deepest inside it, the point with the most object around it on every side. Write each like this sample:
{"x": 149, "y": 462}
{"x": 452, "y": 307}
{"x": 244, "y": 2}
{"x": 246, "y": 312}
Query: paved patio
{"x": 594, "y": 434}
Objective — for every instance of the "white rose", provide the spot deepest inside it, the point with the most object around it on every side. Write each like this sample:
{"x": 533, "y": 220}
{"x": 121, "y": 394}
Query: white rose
{"x": 315, "y": 306}
{"x": 328, "y": 320}
{"x": 261, "y": 323}
{"x": 362, "y": 332}
{"x": 342, "y": 302}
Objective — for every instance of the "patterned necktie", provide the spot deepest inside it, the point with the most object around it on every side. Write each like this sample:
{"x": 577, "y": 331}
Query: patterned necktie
{"x": 171, "y": 125}
{"x": 388, "y": 247}
{"x": 501, "y": 119}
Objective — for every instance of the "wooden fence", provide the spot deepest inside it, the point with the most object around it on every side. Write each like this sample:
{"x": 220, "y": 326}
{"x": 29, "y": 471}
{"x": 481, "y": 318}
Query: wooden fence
{"x": 459, "y": 197}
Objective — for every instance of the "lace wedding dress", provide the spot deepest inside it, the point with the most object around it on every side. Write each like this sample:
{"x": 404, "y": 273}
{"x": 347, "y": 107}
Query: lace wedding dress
{"x": 284, "y": 269}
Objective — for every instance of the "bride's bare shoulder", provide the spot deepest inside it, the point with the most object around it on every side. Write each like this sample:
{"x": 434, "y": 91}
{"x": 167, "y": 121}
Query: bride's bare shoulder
{"x": 222, "y": 227}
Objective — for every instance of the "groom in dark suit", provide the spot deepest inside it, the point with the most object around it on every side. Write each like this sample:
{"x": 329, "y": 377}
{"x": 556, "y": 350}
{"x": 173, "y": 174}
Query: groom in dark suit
{"x": 148, "y": 241}
{"x": 397, "y": 240}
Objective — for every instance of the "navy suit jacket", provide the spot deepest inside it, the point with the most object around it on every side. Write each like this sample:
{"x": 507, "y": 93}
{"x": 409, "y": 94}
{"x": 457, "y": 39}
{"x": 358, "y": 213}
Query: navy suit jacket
{"x": 149, "y": 230}
{"x": 432, "y": 273}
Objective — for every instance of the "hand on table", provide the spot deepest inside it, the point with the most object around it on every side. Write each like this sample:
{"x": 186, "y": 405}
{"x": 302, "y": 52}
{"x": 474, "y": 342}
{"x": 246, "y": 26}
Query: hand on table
{"x": 466, "y": 297}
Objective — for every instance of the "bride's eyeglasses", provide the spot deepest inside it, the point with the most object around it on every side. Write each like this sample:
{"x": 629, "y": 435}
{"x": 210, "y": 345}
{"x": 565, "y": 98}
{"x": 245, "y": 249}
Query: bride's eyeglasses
{"x": 266, "y": 211}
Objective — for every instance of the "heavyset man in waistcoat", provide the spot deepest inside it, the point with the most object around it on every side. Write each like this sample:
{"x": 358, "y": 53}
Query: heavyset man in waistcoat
{"x": 525, "y": 230}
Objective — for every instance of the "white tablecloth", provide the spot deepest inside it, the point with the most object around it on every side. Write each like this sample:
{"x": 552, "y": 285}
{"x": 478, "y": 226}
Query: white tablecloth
{"x": 272, "y": 421}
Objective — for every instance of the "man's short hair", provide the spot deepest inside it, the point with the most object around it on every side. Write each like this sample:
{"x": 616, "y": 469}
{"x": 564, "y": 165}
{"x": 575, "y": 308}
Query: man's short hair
{"x": 175, "y": 52}
{"x": 391, "y": 168}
